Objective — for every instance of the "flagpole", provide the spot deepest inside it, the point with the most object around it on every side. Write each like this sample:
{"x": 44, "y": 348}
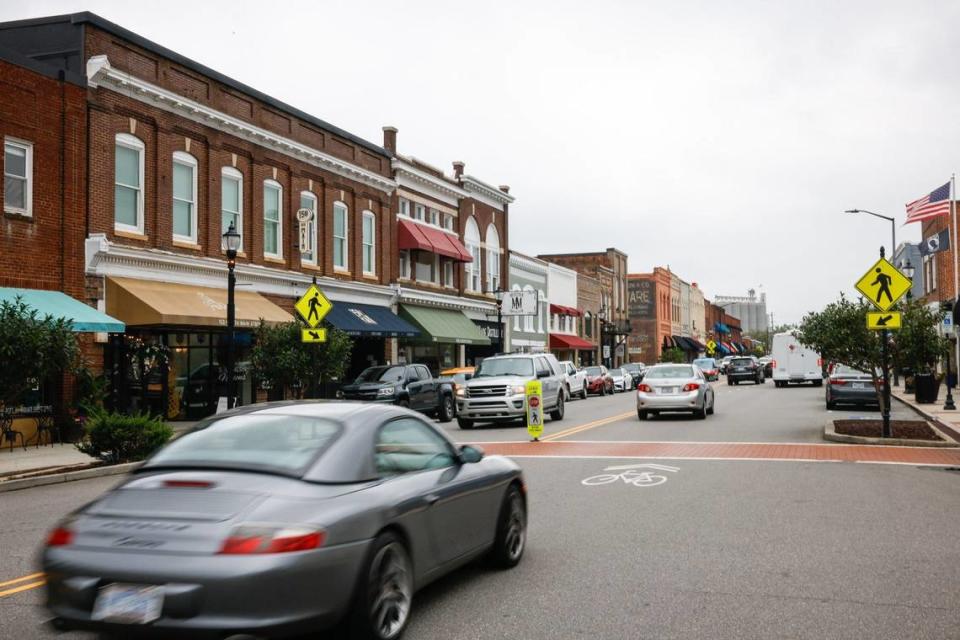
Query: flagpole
{"x": 954, "y": 249}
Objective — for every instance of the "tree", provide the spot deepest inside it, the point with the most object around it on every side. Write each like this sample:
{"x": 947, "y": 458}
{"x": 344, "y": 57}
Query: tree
{"x": 839, "y": 333}
{"x": 32, "y": 347}
{"x": 918, "y": 346}
{"x": 673, "y": 354}
{"x": 281, "y": 358}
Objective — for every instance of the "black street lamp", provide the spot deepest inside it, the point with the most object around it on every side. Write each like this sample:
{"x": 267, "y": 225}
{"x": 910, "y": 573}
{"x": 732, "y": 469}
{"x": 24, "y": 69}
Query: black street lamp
{"x": 498, "y": 294}
{"x": 231, "y": 245}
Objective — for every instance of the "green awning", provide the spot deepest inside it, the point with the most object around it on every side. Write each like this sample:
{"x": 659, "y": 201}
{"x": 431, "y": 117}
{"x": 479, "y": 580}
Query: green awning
{"x": 59, "y": 305}
{"x": 443, "y": 325}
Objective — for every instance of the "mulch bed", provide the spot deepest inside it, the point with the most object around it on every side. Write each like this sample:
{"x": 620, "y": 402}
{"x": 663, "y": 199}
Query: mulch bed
{"x": 904, "y": 429}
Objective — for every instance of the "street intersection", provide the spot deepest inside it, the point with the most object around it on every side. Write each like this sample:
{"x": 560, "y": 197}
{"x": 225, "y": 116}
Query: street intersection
{"x": 743, "y": 525}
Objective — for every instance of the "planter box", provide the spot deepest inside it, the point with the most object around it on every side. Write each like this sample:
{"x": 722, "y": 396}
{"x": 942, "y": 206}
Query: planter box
{"x": 927, "y": 387}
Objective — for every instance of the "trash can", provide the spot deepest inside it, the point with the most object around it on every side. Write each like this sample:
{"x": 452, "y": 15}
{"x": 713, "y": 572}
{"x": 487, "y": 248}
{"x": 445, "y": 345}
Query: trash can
{"x": 927, "y": 388}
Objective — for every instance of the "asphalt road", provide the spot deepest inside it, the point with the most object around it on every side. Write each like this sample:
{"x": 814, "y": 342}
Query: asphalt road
{"x": 718, "y": 549}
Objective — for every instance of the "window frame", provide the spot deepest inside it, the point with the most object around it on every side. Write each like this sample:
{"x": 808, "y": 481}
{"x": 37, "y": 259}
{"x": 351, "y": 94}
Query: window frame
{"x": 419, "y": 212}
{"x": 273, "y": 184}
{"x": 184, "y": 159}
{"x": 404, "y": 206}
{"x": 231, "y": 173}
{"x": 27, "y": 148}
{"x": 473, "y": 270}
{"x": 136, "y": 144}
{"x": 405, "y": 261}
{"x": 372, "y": 217}
{"x": 339, "y": 204}
{"x": 446, "y": 265}
{"x": 311, "y": 226}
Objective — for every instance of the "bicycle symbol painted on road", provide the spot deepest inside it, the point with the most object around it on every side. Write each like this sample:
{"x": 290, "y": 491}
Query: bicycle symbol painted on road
{"x": 638, "y": 475}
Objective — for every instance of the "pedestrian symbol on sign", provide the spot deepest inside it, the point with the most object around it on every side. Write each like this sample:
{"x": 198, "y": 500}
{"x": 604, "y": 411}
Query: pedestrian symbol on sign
{"x": 883, "y": 285}
{"x": 883, "y": 282}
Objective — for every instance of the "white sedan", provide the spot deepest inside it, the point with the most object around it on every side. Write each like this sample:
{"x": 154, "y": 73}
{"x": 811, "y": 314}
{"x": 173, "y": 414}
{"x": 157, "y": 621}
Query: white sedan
{"x": 622, "y": 379}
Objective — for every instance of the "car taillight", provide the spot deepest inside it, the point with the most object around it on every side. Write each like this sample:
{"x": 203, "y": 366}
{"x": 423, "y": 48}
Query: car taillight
{"x": 188, "y": 484}
{"x": 645, "y": 388}
{"x": 691, "y": 386}
{"x": 60, "y": 537}
{"x": 773, "y": 363}
{"x": 837, "y": 381}
{"x": 251, "y": 539}
{"x": 819, "y": 362}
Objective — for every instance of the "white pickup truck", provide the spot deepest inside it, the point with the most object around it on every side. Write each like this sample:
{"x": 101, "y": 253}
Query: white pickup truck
{"x": 576, "y": 380}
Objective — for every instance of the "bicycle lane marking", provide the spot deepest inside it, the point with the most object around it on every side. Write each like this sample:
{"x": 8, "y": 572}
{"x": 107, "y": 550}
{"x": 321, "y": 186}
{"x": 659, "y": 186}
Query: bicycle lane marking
{"x": 631, "y": 474}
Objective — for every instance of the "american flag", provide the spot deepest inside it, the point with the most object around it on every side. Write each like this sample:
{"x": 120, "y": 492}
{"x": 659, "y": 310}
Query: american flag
{"x": 933, "y": 204}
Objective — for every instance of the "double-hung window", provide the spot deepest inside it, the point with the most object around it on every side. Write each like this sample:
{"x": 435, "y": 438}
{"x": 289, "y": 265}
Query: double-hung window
{"x": 448, "y": 221}
{"x": 420, "y": 212}
{"x": 184, "y": 197}
{"x": 404, "y": 207}
{"x": 340, "y": 235}
{"x": 448, "y": 273}
{"x": 369, "y": 242}
{"x": 231, "y": 201}
{"x": 434, "y": 217}
{"x": 272, "y": 219}
{"x": 128, "y": 184}
{"x": 405, "y": 264}
{"x": 308, "y": 242}
{"x": 17, "y": 177}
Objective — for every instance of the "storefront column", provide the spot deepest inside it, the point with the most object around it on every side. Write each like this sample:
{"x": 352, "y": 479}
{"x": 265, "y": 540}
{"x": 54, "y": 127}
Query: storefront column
{"x": 392, "y": 350}
{"x": 462, "y": 355}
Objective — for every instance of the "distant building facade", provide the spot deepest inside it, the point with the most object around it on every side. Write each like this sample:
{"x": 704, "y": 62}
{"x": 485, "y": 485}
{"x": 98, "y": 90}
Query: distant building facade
{"x": 529, "y": 333}
{"x": 749, "y": 309}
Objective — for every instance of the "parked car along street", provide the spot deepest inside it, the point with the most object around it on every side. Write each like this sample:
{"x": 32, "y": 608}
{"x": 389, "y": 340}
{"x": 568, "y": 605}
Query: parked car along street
{"x": 744, "y": 369}
{"x": 636, "y": 370}
{"x": 710, "y": 368}
{"x": 599, "y": 380}
{"x": 409, "y": 385}
{"x": 576, "y": 382}
{"x": 497, "y": 391}
{"x": 674, "y": 387}
{"x": 849, "y": 386}
{"x": 622, "y": 380}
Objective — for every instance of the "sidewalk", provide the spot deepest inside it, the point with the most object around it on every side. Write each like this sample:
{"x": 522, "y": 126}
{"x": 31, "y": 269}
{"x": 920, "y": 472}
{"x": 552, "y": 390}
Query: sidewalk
{"x": 57, "y": 458}
{"x": 947, "y": 421}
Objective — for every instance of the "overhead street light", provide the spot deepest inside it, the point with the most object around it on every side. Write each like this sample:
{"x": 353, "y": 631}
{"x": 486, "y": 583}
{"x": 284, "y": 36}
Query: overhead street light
{"x": 893, "y": 227}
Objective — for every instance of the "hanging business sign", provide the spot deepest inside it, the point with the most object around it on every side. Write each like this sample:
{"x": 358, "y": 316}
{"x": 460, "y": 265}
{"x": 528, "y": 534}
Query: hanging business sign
{"x": 519, "y": 303}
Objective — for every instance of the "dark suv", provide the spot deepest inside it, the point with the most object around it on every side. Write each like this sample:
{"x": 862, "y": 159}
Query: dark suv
{"x": 743, "y": 369}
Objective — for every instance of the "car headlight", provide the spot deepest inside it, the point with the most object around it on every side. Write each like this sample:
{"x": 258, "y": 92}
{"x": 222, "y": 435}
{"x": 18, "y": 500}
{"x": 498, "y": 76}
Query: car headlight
{"x": 519, "y": 389}
{"x": 461, "y": 392}
{"x": 339, "y": 394}
{"x": 386, "y": 391}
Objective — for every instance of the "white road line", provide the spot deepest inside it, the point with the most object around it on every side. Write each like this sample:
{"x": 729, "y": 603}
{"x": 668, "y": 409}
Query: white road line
{"x": 703, "y": 459}
{"x": 734, "y": 442}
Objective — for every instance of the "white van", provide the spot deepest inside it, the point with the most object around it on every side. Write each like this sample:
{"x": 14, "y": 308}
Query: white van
{"x": 794, "y": 362}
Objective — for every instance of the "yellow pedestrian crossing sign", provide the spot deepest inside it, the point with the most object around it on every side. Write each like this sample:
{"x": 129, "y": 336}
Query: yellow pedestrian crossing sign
{"x": 883, "y": 284}
{"x": 879, "y": 321}
{"x": 313, "y": 335}
{"x": 313, "y": 306}
{"x": 711, "y": 346}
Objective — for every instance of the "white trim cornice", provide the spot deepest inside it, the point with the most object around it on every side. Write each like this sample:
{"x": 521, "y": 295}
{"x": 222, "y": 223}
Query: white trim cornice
{"x": 105, "y": 258}
{"x": 432, "y": 299}
{"x": 408, "y": 175}
{"x": 531, "y": 265}
{"x": 101, "y": 73}
{"x": 485, "y": 192}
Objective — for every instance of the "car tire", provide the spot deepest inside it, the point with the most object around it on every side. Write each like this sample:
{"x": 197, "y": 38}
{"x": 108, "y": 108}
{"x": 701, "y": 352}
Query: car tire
{"x": 701, "y": 414}
{"x": 557, "y": 413}
{"x": 641, "y": 414}
{"x": 583, "y": 391}
{"x": 603, "y": 390}
{"x": 447, "y": 409}
{"x": 818, "y": 383}
{"x": 387, "y": 567}
{"x": 713, "y": 406}
{"x": 729, "y": 382}
{"x": 511, "y": 537}
{"x": 403, "y": 403}
{"x": 464, "y": 423}
{"x": 831, "y": 405}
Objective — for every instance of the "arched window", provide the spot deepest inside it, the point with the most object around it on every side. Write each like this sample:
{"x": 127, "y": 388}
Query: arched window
{"x": 471, "y": 237}
{"x": 528, "y": 320}
{"x": 184, "y": 197}
{"x": 128, "y": 183}
{"x": 544, "y": 310}
{"x": 516, "y": 319}
{"x": 588, "y": 324}
{"x": 493, "y": 258}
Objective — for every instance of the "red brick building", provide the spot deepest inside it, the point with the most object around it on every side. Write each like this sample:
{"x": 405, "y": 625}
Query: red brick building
{"x": 651, "y": 314}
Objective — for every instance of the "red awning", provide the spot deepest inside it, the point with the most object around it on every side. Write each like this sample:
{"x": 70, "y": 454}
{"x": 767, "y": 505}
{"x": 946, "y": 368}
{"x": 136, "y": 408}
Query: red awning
{"x": 411, "y": 235}
{"x": 564, "y": 341}
{"x": 562, "y": 310}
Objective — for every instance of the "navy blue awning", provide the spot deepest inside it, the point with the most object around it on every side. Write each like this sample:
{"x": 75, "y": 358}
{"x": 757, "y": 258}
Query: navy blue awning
{"x": 357, "y": 319}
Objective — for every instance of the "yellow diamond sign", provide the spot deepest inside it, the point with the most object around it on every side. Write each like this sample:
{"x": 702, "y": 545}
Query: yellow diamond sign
{"x": 313, "y": 335}
{"x": 313, "y": 306}
{"x": 884, "y": 320}
{"x": 883, "y": 284}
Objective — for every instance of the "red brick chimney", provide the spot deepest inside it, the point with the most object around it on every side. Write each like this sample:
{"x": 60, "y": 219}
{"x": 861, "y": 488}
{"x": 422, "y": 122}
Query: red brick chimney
{"x": 458, "y": 169}
{"x": 390, "y": 139}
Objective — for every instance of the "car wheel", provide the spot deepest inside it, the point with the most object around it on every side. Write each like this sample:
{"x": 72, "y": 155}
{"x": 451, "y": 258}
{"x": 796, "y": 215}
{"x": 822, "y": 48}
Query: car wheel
{"x": 713, "y": 405}
{"x": 729, "y": 382}
{"x": 464, "y": 423}
{"x": 641, "y": 414}
{"x": 382, "y": 606}
{"x": 557, "y": 414}
{"x": 583, "y": 391}
{"x": 603, "y": 390}
{"x": 447, "y": 409}
{"x": 701, "y": 413}
{"x": 511, "y": 536}
{"x": 403, "y": 403}
{"x": 831, "y": 405}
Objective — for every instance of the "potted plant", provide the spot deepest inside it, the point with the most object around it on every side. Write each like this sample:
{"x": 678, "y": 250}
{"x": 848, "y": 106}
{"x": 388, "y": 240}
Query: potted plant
{"x": 918, "y": 347}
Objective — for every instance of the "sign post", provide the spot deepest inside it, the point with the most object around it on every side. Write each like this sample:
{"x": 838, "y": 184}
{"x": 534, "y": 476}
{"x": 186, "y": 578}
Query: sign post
{"x": 535, "y": 409}
{"x": 883, "y": 285}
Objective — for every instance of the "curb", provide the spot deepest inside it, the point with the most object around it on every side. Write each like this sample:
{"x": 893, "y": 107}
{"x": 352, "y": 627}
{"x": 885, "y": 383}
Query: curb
{"x": 928, "y": 416}
{"x": 829, "y": 433}
{"x": 70, "y": 476}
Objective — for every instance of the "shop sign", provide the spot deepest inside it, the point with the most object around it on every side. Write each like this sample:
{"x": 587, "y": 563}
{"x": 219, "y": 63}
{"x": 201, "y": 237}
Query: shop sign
{"x": 519, "y": 303}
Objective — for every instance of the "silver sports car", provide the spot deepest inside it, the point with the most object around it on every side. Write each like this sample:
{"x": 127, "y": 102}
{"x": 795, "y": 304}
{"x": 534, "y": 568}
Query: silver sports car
{"x": 281, "y": 519}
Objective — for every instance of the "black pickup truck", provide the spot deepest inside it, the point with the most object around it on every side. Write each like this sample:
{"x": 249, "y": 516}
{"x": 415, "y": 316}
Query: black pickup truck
{"x": 407, "y": 385}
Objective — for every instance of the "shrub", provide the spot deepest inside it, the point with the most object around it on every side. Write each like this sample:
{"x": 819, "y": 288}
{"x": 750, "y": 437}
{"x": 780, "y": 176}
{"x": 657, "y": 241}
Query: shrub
{"x": 118, "y": 438}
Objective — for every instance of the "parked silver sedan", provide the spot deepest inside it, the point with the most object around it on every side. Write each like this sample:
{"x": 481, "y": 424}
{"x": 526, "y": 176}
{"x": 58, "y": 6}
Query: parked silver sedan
{"x": 284, "y": 518}
{"x": 674, "y": 387}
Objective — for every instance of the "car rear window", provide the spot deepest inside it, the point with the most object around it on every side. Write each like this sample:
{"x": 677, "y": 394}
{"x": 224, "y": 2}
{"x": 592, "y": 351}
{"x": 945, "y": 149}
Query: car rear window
{"x": 594, "y": 371}
{"x": 705, "y": 363}
{"x": 285, "y": 444}
{"x": 741, "y": 362}
{"x": 679, "y": 371}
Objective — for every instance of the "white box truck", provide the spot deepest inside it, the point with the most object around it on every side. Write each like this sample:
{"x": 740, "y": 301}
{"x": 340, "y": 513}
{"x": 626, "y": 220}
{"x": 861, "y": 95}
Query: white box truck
{"x": 795, "y": 362}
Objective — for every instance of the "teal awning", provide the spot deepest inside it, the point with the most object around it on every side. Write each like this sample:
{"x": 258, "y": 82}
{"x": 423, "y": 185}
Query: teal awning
{"x": 59, "y": 305}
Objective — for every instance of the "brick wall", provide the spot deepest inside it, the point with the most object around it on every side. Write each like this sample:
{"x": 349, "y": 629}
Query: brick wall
{"x": 45, "y": 251}
{"x": 945, "y": 288}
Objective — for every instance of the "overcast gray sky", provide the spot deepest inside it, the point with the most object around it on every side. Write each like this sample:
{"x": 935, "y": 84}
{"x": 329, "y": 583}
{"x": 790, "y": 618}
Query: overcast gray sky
{"x": 723, "y": 139}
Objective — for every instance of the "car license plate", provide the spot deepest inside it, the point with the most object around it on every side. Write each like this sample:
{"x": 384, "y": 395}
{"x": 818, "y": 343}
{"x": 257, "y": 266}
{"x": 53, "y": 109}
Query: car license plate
{"x": 666, "y": 391}
{"x": 128, "y": 603}
{"x": 859, "y": 385}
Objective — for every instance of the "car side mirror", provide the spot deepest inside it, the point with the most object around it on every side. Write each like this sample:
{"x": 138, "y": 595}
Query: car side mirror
{"x": 470, "y": 453}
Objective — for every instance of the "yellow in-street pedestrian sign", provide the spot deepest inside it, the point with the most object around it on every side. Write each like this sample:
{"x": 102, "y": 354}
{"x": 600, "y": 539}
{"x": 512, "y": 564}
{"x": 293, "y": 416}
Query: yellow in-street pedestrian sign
{"x": 535, "y": 408}
{"x": 711, "y": 346}
{"x": 313, "y": 335}
{"x": 313, "y": 306}
{"x": 884, "y": 320}
{"x": 883, "y": 284}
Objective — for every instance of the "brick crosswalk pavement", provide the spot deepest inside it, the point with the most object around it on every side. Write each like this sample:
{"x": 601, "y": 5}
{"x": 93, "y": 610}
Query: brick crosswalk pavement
{"x": 729, "y": 451}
